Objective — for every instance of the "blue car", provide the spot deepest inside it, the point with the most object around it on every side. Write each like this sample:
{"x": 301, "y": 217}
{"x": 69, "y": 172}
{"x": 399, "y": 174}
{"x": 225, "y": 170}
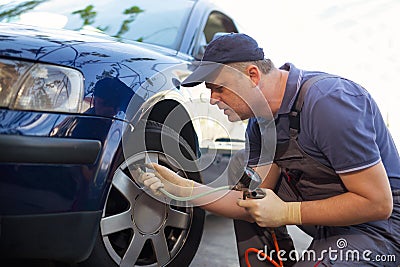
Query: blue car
{"x": 88, "y": 91}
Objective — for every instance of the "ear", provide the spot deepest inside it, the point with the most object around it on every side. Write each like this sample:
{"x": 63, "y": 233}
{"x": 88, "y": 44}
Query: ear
{"x": 254, "y": 73}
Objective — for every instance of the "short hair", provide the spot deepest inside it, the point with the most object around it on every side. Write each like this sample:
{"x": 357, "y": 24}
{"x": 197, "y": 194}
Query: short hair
{"x": 265, "y": 65}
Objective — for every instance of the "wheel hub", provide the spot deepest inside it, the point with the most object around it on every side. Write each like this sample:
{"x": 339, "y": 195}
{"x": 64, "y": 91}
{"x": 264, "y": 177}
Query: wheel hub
{"x": 149, "y": 215}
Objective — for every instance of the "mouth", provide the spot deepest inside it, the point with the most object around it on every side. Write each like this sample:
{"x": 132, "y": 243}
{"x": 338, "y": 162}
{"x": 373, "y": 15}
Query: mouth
{"x": 226, "y": 109}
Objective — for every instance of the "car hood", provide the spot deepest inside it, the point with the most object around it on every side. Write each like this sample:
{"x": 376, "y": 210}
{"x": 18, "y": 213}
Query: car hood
{"x": 145, "y": 69}
{"x": 45, "y": 45}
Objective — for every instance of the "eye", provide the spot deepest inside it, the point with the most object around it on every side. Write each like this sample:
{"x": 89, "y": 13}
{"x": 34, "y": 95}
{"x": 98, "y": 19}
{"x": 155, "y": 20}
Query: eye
{"x": 217, "y": 89}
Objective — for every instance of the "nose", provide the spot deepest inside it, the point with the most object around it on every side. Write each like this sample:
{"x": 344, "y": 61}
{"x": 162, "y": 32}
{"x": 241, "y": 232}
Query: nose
{"x": 214, "y": 98}
{"x": 213, "y": 101}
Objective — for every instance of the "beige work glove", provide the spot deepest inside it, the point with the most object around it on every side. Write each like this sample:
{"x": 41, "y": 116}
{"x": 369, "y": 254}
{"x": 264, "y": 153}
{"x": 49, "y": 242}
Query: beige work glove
{"x": 271, "y": 211}
{"x": 166, "y": 178}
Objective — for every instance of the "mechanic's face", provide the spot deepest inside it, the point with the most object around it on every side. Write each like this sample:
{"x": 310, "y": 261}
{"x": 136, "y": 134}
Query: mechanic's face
{"x": 230, "y": 91}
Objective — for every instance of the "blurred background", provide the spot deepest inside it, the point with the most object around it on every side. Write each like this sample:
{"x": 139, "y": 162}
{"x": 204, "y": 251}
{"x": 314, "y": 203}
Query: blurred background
{"x": 359, "y": 40}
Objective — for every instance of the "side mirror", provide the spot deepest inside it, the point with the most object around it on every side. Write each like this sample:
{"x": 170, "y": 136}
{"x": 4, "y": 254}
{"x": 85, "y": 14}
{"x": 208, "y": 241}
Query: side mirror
{"x": 218, "y": 34}
{"x": 202, "y": 44}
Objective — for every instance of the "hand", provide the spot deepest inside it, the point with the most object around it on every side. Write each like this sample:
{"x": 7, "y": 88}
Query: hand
{"x": 166, "y": 178}
{"x": 150, "y": 180}
{"x": 271, "y": 211}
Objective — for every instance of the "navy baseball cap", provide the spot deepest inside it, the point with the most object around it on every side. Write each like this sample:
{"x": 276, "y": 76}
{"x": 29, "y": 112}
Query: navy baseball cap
{"x": 227, "y": 48}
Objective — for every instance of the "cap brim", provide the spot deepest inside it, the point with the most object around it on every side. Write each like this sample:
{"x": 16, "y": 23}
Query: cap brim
{"x": 205, "y": 72}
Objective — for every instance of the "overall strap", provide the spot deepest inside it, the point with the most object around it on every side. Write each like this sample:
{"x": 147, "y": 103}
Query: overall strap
{"x": 294, "y": 115}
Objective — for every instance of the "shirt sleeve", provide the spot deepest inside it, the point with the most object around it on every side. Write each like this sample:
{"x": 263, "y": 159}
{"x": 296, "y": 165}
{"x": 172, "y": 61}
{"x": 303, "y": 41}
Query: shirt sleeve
{"x": 260, "y": 141}
{"x": 342, "y": 127}
{"x": 253, "y": 142}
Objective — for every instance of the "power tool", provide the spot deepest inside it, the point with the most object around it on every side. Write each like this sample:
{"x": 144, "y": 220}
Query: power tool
{"x": 249, "y": 183}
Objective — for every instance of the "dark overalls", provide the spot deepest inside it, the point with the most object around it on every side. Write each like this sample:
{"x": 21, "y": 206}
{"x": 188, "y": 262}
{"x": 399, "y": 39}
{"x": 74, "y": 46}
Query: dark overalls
{"x": 303, "y": 179}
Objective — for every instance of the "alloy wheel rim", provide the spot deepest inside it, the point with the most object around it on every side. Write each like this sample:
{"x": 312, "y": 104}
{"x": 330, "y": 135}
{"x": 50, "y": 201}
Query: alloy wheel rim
{"x": 146, "y": 232}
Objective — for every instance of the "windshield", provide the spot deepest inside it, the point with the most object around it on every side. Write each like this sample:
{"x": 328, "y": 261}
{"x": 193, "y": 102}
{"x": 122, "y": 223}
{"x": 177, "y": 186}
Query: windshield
{"x": 155, "y": 22}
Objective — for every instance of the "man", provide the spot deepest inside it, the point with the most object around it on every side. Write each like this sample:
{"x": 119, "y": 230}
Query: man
{"x": 335, "y": 165}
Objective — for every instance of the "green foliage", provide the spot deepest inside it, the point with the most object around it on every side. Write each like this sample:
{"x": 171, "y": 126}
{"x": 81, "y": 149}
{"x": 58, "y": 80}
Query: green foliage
{"x": 132, "y": 12}
{"x": 87, "y": 14}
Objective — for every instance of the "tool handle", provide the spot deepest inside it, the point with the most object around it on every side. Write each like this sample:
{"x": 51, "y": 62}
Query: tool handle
{"x": 253, "y": 194}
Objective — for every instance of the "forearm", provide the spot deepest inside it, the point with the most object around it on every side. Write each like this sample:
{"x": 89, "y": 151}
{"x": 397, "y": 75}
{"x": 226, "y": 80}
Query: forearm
{"x": 342, "y": 210}
{"x": 369, "y": 199}
{"x": 270, "y": 174}
{"x": 222, "y": 203}
{"x": 225, "y": 203}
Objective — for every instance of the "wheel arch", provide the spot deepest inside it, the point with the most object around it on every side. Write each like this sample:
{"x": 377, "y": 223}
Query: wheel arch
{"x": 174, "y": 115}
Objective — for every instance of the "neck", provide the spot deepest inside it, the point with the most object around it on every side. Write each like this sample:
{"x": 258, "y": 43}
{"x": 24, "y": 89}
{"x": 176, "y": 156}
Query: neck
{"x": 274, "y": 85}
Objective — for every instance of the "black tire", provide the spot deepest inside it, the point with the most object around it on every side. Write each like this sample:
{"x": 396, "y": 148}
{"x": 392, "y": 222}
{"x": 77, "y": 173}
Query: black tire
{"x": 136, "y": 229}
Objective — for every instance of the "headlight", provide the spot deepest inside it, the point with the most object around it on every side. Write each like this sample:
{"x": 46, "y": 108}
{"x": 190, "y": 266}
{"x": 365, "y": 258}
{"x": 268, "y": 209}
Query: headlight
{"x": 41, "y": 87}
